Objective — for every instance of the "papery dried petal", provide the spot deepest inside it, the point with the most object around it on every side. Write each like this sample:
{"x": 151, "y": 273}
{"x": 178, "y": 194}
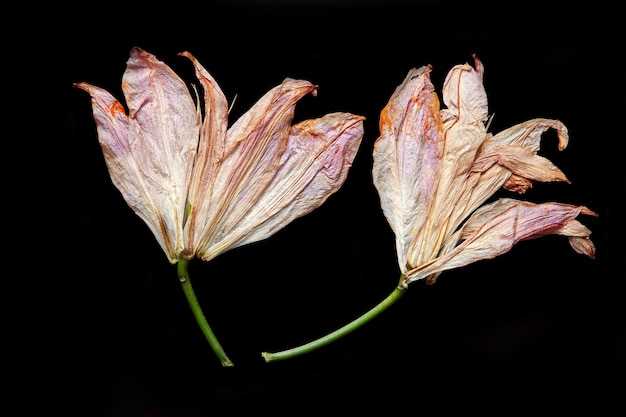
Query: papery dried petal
{"x": 522, "y": 162}
{"x": 528, "y": 134}
{"x": 407, "y": 157}
{"x": 494, "y": 228}
{"x": 463, "y": 133}
{"x": 509, "y": 160}
{"x": 464, "y": 94}
{"x": 211, "y": 153}
{"x": 314, "y": 166}
{"x": 578, "y": 235}
{"x": 255, "y": 145}
{"x": 150, "y": 152}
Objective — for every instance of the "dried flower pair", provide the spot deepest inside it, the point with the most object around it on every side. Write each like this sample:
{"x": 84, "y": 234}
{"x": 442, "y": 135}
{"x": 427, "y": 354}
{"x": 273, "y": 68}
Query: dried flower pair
{"x": 204, "y": 188}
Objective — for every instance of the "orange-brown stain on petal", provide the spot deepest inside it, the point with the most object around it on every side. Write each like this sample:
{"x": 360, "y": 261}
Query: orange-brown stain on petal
{"x": 117, "y": 107}
{"x": 385, "y": 117}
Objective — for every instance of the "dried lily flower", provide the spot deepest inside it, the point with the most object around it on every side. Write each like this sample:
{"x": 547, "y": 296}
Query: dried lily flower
{"x": 204, "y": 188}
{"x": 434, "y": 168}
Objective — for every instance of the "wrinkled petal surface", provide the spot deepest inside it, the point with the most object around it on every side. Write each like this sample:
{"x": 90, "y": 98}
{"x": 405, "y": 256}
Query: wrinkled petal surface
{"x": 494, "y": 228}
{"x": 407, "y": 157}
{"x": 150, "y": 152}
{"x": 314, "y": 166}
{"x": 211, "y": 153}
{"x": 269, "y": 172}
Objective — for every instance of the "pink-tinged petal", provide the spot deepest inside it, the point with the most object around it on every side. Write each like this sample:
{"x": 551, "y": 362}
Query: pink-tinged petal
{"x": 113, "y": 130}
{"x": 314, "y": 166}
{"x": 578, "y": 235}
{"x": 168, "y": 124}
{"x": 210, "y": 155}
{"x": 528, "y": 220}
{"x": 495, "y": 228}
{"x": 168, "y": 130}
{"x": 255, "y": 144}
{"x": 407, "y": 157}
{"x": 150, "y": 152}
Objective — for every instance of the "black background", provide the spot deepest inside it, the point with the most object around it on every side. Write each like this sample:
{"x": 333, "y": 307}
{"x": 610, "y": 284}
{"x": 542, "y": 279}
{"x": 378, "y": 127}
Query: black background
{"x": 539, "y": 328}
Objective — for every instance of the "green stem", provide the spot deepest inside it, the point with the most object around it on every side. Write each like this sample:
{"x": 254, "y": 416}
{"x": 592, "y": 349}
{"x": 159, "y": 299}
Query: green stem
{"x": 185, "y": 282}
{"x": 331, "y": 337}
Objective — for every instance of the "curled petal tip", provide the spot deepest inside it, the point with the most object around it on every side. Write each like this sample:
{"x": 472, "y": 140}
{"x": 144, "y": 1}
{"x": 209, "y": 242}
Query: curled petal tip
{"x": 563, "y": 136}
{"x": 583, "y": 246}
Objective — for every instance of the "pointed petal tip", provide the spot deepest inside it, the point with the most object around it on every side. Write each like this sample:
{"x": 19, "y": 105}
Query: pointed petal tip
{"x": 357, "y": 117}
{"x": 81, "y": 85}
{"x": 587, "y": 211}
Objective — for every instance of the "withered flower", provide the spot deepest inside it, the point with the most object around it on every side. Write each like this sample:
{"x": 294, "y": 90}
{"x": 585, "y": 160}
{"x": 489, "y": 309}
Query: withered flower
{"x": 203, "y": 187}
{"x": 433, "y": 168}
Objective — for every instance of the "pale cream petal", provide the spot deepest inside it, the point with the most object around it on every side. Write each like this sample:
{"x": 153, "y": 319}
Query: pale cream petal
{"x": 522, "y": 162}
{"x": 528, "y": 134}
{"x": 464, "y": 94}
{"x": 476, "y": 188}
{"x": 522, "y": 166}
{"x": 406, "y": 157}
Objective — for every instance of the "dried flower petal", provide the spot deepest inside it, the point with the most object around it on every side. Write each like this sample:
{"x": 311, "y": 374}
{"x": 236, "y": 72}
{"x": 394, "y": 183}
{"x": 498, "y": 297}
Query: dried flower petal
{"x": 150, "y": 152}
